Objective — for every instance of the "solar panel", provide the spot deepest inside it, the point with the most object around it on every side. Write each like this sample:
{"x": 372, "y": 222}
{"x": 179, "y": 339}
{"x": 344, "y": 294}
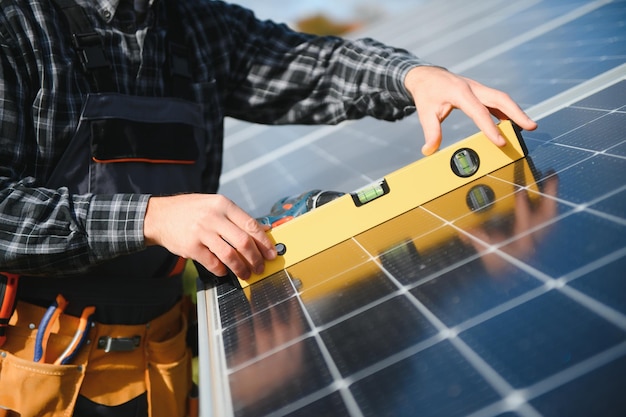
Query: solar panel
{"x": 504, "y": 297}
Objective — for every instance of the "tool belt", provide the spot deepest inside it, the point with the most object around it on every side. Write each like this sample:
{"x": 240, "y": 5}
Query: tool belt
{"x": 116, "y": 364}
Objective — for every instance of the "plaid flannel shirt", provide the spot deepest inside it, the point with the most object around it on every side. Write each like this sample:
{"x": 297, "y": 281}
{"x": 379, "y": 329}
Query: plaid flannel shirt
{"x": 242, "y": 67}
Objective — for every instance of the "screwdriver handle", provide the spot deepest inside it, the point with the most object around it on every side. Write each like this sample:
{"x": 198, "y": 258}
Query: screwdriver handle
{"x": 8, "y": 296}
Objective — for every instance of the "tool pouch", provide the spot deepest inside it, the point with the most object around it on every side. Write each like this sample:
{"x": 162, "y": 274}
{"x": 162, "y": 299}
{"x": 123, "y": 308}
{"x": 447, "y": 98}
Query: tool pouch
{"x": 160, "y": 366}
{"x": 36, "y": 389}
{"x": 169, "y": 375}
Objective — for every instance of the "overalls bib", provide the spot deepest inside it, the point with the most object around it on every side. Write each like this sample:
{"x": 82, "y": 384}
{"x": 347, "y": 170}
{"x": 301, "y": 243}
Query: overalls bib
{"x": 123, "y": 144}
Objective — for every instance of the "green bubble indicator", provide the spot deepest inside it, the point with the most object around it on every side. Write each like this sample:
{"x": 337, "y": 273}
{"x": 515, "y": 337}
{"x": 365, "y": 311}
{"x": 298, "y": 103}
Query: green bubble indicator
{"x": 370, "y": 193}
{"x": 465, "y": 162}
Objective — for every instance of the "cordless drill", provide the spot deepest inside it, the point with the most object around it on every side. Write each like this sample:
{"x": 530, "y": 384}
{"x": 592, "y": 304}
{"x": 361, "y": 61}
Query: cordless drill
{"x": 288, "y": 208}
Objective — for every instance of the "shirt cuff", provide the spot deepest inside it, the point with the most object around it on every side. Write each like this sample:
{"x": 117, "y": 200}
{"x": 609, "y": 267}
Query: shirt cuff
{"x": 397, "y": 70}
{"x": 115, "y": 224}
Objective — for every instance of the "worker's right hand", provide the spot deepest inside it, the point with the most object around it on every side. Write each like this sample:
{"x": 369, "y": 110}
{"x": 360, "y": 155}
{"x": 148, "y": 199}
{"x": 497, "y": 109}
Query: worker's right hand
{"x": 210, "y": 229}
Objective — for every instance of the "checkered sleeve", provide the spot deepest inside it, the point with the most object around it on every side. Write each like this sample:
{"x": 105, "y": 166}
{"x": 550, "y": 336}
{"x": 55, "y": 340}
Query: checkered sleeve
{"x": 56, "y": 232}
{"x": 281, "y": 76}
{"x": 114, "y": 224}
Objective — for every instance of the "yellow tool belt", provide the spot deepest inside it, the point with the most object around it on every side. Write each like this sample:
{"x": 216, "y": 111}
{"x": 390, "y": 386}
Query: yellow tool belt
{"x": 115, "y": 365}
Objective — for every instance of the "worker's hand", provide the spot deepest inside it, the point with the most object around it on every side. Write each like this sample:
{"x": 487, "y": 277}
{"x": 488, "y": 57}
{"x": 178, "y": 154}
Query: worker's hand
{"x": 210, "y": 229}
{"x": 436, "y": 92}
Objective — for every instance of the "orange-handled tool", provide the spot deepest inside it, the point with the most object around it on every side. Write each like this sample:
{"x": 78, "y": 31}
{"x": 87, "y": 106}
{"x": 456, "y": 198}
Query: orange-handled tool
{"x": 8, "y": 296}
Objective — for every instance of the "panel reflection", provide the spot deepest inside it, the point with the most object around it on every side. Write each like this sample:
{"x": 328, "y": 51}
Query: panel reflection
{"x": 267, "y": 349}
{"x": 453, "y": 255}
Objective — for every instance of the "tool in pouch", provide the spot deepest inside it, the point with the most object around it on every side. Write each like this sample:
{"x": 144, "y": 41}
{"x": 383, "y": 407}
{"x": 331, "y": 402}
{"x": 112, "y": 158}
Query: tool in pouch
{"x": 8, "y": 295}
{"x": 45, "y": 326}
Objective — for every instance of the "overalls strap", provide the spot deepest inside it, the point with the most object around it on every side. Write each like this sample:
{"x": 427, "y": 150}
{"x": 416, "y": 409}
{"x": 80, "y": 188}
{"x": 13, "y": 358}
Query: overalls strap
{"x": 88, "y": 46}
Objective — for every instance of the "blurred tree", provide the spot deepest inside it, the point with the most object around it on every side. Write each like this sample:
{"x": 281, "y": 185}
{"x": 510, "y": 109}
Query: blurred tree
{"x": 321, "y": 25}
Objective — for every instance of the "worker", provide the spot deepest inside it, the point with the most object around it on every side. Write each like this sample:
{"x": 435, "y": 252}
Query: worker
{"x": 111, "y": 128}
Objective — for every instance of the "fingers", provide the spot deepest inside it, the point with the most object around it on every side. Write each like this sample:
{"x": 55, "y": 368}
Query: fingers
{"x": 436, "y": 92}
{"x": 213, "y": 231}
{"x": 500, "y": 104}
{"x": 432, "y": 133}
{"x": 239, "y": 242}
{"x": 252, "y": 229}
{"x": 481, "y": 116}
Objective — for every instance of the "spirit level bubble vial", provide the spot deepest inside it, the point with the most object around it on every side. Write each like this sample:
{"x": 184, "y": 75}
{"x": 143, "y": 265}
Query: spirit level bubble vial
{"x": 370, "y": 193}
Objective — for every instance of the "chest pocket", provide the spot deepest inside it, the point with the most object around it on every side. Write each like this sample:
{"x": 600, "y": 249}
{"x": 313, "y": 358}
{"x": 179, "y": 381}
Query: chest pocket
{"x": 127, "y": 144}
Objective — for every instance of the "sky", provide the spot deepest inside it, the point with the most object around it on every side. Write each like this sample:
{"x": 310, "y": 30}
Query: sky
{"x": 289, "y": 11}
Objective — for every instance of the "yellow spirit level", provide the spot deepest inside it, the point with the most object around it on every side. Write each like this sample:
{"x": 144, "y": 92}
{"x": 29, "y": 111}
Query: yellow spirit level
{"x": 397, "y": 193}
{"x": 413, "y": 244}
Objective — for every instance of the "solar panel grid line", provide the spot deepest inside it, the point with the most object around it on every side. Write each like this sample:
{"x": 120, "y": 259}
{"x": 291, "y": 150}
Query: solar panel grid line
{"x": 268, "y": 353}
{"x": 500, "y": 309}
{"x": 560, "y": 284}
{"x": 609, "y": 314}
{"x": 305, "y": 401}
{"x": 576, "y": 371}
{"x": 440, "y": 272}
{"x": 339, "y": 382}
{"x": 248, "y": 132}
{"x": 497, "y": 382}
{"x": 491, "y": 247}
{"x": 339, "y": 164}
{"x": 396, "y": 358}
{"x": 286, "y": 149}
{"x": 557, "y": 380}
{"x": 619, "y": 220}
{"x": 359, "y": 310}
{"x": 542, "y": 387}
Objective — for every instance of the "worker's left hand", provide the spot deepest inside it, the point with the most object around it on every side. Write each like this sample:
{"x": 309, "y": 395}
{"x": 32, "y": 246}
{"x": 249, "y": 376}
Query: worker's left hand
{"x": 436, "y": 92}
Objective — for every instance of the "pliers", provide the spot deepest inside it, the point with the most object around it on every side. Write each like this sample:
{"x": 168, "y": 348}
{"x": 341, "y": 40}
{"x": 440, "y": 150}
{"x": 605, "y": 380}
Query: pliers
{"x": 45, "y": 326}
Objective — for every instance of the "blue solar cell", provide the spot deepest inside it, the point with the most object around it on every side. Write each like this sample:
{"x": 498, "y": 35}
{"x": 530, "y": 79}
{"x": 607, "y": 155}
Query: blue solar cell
{"x": 329, "y": 406}
{"x": 469, "y": 290}
{"x": 586, "y": 237}
{"x": 347, "y": 298}
{"x": 541, "y": 337}
{"x": 277, "y": 380}
{"x": 581, "y": 183}
{"x": 436, "y": 381}
{"x": 597, "y": 135}
{"x": 605, "y": 284}
{"x": 599, "y": 393}
{"x": 614, "y": 204}
{"x": 375, "y": 334}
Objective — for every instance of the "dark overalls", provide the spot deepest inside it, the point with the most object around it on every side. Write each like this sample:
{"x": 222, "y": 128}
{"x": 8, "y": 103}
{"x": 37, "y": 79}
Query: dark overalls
{"x": 135, "y": 361}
